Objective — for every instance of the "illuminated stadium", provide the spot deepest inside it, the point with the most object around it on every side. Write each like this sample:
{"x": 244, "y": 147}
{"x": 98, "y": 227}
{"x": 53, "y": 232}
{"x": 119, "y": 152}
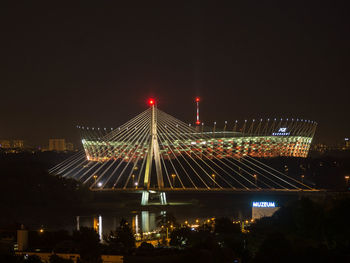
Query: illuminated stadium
{"x": 262, "y": 139}
{"x": 156, "y": 151}
{"x": 269, "y": 138}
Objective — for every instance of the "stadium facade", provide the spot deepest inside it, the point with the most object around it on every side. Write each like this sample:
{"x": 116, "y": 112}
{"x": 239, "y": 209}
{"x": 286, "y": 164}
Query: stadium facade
{"x": 257, "y": 138}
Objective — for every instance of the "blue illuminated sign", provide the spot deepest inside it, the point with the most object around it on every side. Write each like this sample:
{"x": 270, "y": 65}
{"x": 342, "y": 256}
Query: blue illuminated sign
{"x": 281, "y": 132}
{"x": 264, "y": 204}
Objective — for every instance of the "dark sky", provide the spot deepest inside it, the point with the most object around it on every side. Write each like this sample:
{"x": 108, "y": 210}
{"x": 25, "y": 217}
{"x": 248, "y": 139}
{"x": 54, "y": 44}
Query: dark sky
{"x": 96, "y": 64}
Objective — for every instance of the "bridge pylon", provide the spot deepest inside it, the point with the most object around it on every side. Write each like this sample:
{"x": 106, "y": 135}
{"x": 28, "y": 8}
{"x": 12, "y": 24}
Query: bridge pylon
{"x": 153, "y": 154}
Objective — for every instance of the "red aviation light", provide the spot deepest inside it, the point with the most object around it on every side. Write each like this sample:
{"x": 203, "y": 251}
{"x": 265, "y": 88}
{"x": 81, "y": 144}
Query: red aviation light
{"x": 197, "y": 99}
{"x": 151, "y": 102}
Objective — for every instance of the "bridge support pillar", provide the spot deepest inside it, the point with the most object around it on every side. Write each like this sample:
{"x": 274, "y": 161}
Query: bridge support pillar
{"x": 162, "y": 198}
{"x": 146, "y": 197}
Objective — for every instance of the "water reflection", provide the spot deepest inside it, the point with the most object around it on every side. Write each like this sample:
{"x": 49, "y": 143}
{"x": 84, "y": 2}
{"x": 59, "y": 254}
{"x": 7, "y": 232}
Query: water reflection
{"x": 142, "y": 222}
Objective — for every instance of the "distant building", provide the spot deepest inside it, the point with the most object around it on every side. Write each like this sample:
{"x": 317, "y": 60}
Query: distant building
{"x": 320, "y": 147}
{"x": 263, "y": 209}
{"x": 346, "y": 144}
{"x": 69, "y": 146}
{"x": 5, "y": 144}
{"x": 58, "y": 145}
{"x": 18, "y": 144}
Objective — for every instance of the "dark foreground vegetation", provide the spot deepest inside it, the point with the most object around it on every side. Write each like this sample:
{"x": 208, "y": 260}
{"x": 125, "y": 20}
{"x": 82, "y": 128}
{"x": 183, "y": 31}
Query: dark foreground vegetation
{"x": 304, "y": 231}
{"x": 28, "y": 192}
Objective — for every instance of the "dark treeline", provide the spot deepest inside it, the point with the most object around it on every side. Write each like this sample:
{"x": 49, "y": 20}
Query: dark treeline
{"x": 303, "y": 231}
{"x": 28, "y": 191}
{"x": 85, "y": 242}
{"x": 321, "y": 172}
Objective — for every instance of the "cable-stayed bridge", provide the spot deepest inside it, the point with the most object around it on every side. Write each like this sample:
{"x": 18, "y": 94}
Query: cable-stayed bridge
{"x": 155, "y": 153}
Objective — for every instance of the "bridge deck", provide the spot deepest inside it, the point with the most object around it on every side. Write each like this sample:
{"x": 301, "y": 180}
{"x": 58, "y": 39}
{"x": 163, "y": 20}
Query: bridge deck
{"x": 227, "y": 190}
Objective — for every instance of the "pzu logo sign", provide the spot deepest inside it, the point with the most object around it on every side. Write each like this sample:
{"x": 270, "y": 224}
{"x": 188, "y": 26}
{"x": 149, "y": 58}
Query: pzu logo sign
{"x": 281, "y": 132}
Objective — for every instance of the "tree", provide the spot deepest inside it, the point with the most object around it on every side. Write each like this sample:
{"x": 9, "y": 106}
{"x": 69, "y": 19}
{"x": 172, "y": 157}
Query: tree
{"x": 88, "y": 244}
{"x": 166, "y": 220}
{"x": 9, "y": 258}
{"x": 180, "y": 237}
{"x": 275, "y": 248}
{"x": 303, "y": 230}
{"x": 337, "y": 226}
{"x": 33, "y": 259}
{"x": 122, "y": 240}
{"x": 225, "y": 225}
{"x": 56, "y": 259}
{"x": 228, "y": 235}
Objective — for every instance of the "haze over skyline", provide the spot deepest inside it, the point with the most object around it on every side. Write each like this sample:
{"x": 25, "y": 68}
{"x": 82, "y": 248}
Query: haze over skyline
{"x": 97, "y": 64}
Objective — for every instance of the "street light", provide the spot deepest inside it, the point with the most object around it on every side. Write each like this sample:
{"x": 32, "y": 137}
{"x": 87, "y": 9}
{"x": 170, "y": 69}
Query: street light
{"x": 302, "y": 178}
{"x": 133, "y": 179}
{"x": 256, "y": 179}
{"x": 95, "y": 177}
{"x": 136, "y": 184}
{"x": 347, "y": 180}
{"x": 173, "y": 176}
{"x": 213, "y": 175}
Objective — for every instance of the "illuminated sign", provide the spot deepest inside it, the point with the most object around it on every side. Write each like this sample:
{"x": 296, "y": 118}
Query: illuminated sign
{"x": 264, "y": 204}
{"x": 281, "y": 132}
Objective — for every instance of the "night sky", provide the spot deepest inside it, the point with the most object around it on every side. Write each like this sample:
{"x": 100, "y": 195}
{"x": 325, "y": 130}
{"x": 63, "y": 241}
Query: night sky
{"x": 96, "y": 64}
